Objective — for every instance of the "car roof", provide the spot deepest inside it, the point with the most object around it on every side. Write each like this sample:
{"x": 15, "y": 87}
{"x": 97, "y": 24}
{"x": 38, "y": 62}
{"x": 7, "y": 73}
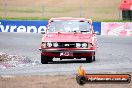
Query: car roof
{"x": 71, "y": 18}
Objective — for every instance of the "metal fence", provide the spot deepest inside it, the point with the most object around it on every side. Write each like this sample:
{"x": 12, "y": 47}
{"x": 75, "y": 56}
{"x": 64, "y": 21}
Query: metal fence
{"x": 93, "y": 12}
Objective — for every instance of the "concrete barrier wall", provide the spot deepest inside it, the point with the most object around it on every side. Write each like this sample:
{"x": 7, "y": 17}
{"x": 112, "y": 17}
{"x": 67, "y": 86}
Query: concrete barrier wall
{"x": 97, "y": 27}
{"x": 38, "y": 26}
{"x": 34, "y": 26}
{"x": 116, "y": 28}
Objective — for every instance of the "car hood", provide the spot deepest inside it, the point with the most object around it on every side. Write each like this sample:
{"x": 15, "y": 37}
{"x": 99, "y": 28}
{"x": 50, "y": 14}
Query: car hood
{"x": 66, "y": 37}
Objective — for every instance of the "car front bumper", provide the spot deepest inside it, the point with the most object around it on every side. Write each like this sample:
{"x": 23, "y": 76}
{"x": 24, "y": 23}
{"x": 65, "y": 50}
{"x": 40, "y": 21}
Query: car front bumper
{"x": 62, "y": 50}
{"x": 75, "y": 52}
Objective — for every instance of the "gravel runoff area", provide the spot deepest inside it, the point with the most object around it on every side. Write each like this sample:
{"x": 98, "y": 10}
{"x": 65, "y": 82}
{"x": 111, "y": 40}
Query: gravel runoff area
{"x": 63, "y": 81}
{"x": 40, "y": 81}
{"x": 8, "y": 61}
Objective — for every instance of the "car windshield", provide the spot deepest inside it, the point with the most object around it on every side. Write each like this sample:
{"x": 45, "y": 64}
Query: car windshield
{"x": 69, "y": 26}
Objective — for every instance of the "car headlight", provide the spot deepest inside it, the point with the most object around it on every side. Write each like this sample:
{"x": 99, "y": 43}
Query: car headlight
{"x": 55, "y": 44}
{"x": 84, "y": 45}
{"x": 78, "y": 45}
{"x": 49, "y": 44}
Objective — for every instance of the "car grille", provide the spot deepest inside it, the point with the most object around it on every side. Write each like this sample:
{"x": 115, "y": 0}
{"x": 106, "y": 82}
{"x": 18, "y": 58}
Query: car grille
{"x": 66, "y": 45}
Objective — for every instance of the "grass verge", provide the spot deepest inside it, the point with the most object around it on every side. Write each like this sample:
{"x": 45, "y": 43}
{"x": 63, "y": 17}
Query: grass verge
{"x": 38, "y": 18}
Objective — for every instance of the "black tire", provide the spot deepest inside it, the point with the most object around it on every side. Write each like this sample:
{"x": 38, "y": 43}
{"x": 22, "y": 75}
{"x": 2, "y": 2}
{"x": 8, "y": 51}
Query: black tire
{"x": 89, "y": 59}
{"x": 44, "y": 59}
{"x": 94, "y": 57}
{"x": 50, "y": 59}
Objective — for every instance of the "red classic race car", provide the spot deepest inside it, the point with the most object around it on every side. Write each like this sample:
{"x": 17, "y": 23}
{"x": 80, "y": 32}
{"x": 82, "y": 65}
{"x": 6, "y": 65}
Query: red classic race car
{"x": 68, "y": 38}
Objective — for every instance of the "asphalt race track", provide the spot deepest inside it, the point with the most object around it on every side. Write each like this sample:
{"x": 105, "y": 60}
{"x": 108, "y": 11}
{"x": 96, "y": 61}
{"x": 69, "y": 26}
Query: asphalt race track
{"x": 114, "y": 55}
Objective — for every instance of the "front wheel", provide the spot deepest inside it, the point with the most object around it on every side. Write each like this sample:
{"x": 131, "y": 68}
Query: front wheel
{"x": 90, "y": 59}
{"x": 44, "y": 59}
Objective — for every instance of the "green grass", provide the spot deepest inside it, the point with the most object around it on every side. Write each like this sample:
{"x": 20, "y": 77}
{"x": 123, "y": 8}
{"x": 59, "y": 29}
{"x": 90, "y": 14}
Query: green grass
{"x": 24, "y": 18}
{"x": 109, "y": 20}
{"x": 37, "y": 18}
